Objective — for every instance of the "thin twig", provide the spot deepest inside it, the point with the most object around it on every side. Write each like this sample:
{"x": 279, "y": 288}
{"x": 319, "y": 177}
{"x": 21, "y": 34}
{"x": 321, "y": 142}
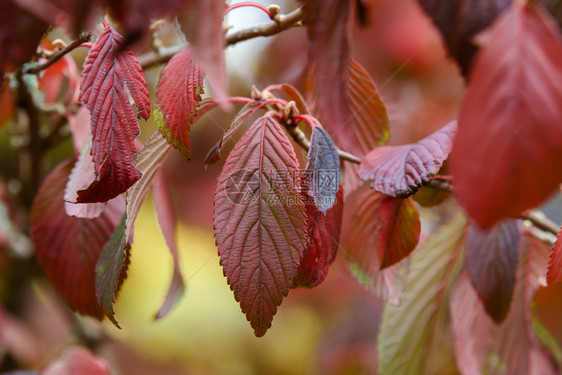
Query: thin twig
{"x": 83, "y": 38}
{"x": 280, "y": 23}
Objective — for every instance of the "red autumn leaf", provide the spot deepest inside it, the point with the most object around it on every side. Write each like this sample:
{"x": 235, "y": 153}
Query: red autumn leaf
{"x": 259, "y": 221}
{"x": 168, "y": 221}
{"x": 491, "y": 263}
{"x": 114, "y": 127}
{"x": 546, "y": 306}
{"x": 67, "y": 248}
{"x": 375, "y": 236}
{"x": 60, "y": 81}
{"x": 554, "y": 273}
{"x": 323, "y": 243}
{"x": 203, "y": 29}
{"x": 512, "y": 346}
{"x": 80, "y": 128}
{"x": 114, "y": 257}
{"x": 399, "y": 224}
{"x": 77, "y": 360}
{"x": 506, "y": 155}
{"x": 399, "y": 171}
{"x": 460, "y": 20}
{"x": 178, "y": 93}
{"x": 322, "y": 173}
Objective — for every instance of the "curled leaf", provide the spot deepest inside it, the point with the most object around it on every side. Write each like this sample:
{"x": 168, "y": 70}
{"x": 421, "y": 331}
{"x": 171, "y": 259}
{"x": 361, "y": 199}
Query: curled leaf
{"x": 399, "y": 171}
{"x": 114, "y": 127}
{"x": 259, "y": 221}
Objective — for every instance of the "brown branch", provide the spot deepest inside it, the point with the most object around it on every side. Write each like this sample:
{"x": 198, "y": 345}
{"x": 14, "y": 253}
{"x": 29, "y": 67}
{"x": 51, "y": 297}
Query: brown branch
{"x": 83, "y": 38}
{"x": 279, "y": 23}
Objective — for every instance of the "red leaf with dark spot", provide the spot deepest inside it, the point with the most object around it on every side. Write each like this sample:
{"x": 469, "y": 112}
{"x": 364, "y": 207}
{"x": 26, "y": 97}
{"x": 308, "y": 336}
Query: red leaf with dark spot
{"x": 67, "y": 248}
{"x": 114, "y": 127}
{"x": 506, "y": 155}
{"x": 400, "y": 227}
{"x": 460, "y": 20}
{"x": 491, "y": 263}
{"x": 323, "y": 243}
{"x": 178, "y": 93}
{"x": 555, "y": 262}
{"x": 399, "y": 171}
{"x": 260, "y": 221}
{"x": 203, "y": 29}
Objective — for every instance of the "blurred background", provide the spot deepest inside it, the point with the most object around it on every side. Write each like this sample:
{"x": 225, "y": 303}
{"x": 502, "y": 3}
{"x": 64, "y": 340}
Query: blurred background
{"x": 331, "y": 329}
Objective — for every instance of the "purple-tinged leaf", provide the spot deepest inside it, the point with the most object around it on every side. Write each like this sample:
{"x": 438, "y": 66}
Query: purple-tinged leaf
{"x": 179, "y": 92}
{"x": 491, "y": 263}
{"x": 554, "y": 273}
{"x": 168, "y": 221}
{"x": 114, "y": 127}
{"x": 322, "y": 173}
{"x": 67, "y": 248}
{"x": 323, "y": 243}
{"x": 512, "y": 347}
{"x": 203, "y": 29}
{"x": 459, "y": 21}
{"x": 113, "y": 261}
{"x": 260, "y": 221}
{"x": 399, "y": 171}
{"x": 77, "y": 360}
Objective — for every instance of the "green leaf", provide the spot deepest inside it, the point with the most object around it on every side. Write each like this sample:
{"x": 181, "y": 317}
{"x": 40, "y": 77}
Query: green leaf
{"x": 411, "y": 331}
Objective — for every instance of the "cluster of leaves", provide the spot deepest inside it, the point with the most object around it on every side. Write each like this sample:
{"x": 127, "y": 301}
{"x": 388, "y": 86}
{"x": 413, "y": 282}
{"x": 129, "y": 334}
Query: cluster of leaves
{"x": 277, "y": 225}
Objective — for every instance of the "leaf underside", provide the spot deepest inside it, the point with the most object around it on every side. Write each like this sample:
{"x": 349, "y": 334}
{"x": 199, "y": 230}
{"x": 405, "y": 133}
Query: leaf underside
{"x": 399, "y": 171}
{"x": 554, "y": 273}
{"x": 259, "y": 221}
{"x": 114, "y": 126}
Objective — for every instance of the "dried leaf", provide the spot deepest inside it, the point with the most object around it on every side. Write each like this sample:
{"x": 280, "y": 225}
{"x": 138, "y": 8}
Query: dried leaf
{"x": 114, "y": 127}
{"x": 323, "y": 243}
{"x": 512, "y": 347}
{"x": 491, "y": 263}
{"x": 399, "y": 171}
{"x": 179, "y": 92}
{"x": 322, "y": 173}
{"x": 67, "y": 248}
{"x": 168, "y": 221}
{"x": 506, "y": 156}
{"x": 259, "y": 221}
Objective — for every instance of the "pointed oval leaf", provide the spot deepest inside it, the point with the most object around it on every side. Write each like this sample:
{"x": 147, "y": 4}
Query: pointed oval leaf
{"x": 491, "y": 263}
{"x": 67, "y": 248}
{"x": 414, "y": 329}
{"x": 554, "y": 273}
{"x": 506, "y": 155}
{"x": 399, "y": 171}
{"x": 259, "y": 221}
{"x": 323, "y": 243}
{"x": 512, "y": 347}
{"x": 322, "y": 173}
{"x": 114, "y": 127}
{"x": 179, "y": 92}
